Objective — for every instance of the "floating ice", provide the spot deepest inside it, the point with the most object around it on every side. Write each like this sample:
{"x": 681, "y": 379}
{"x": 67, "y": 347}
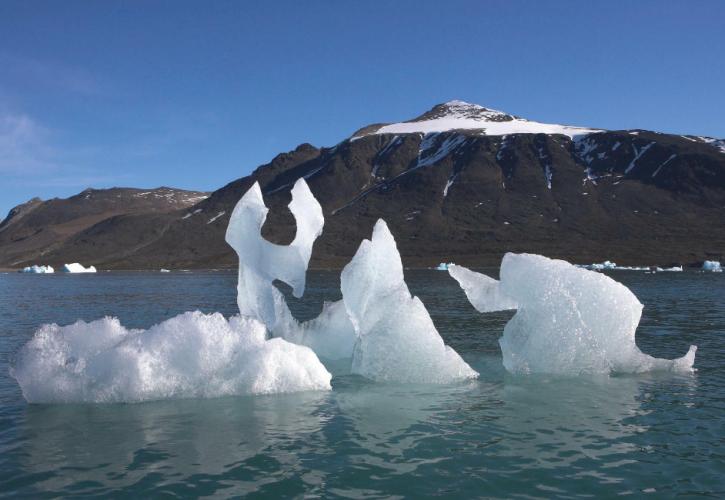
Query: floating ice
{"x": 331, "y": 335}
{"x": 189, "y": 356}
{"x": 38, "y": 269}
{"x": 483, "y": 292}
{"x": 78, "y": 268}
{"x": 397, "y": 341}
{"x": 442, "y": 266}
{"x": 568, "y": 320}
{"x": 712, "y": 265}
{"x": 262, "y": 262}
{"x": 164, "y": 271}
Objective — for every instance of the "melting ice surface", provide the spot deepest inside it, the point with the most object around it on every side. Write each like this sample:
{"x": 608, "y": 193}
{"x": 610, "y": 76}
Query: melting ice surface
{"x": 190, "y": 355}
{"x": 568, "y": 320}
{"x": 396, "y": 338}
{"x": 385, "y": 333}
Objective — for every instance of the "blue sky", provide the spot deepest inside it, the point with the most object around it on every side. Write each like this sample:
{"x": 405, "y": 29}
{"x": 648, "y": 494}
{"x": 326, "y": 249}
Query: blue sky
{"x": 196, "y": 94}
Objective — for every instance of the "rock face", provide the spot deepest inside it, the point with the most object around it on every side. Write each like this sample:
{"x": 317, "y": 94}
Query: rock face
{"x": 460, "y": 182}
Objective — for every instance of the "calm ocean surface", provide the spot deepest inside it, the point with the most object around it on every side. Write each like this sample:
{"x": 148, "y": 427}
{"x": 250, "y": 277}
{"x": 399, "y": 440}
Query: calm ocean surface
{"x": 501, "y": 436}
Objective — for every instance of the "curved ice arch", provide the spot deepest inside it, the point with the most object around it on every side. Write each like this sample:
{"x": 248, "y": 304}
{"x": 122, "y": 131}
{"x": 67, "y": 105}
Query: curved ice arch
{"x": 568, "y": 320}
{"x": 261, "y": 263}
{"x": 192, "y": 355}
{"x": 397, "y": 340}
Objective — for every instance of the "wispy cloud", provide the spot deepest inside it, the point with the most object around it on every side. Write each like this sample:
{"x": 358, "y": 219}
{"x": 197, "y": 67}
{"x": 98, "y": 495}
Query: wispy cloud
{"x": 24, "y": 146}
{"x": 30, "y": 156}
{"x": 49, "y": 74}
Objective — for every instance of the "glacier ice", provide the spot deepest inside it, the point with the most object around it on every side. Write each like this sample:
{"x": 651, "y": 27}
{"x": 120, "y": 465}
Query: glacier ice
{"x": 35, "y": 269}
{"x": 483, "y": 292}
{"x": 75, "y": 267}
{"x": 443, "y": 266}
{"x": 397, "y": 340}
{"x": 568, "y": 320}
{"x": 712, "y": 265}
{"x": 261, "y": 262}
{"x": 388, "y": 340}
{"x": 189, "y": 356}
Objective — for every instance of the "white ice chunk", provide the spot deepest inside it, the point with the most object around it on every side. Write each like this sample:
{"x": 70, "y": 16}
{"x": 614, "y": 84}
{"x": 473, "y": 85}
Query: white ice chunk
{"x": 331, "y": 335}
{"x": 483, "y": 292}
{"x": 397, "y": 341}
{"x": 192, "y": 355}
{"x": 443, "y": 266}
{"x": 572, "y": 321}
{"x": 78, "y": 268}
{"x": 35, "y": 269}
{"x": 712, "y": 265}
{"x": 262, "y": 262}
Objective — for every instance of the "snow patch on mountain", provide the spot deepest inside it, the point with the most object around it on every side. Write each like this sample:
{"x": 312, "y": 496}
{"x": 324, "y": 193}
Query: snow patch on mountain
{"x": 460, "y": 115}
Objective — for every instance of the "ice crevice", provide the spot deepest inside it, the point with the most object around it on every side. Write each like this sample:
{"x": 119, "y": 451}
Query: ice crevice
{"x": 568, "y": 320}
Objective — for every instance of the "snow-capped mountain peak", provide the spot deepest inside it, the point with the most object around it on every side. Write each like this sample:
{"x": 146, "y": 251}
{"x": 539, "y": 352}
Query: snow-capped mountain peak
{"x": 461, "y": 115}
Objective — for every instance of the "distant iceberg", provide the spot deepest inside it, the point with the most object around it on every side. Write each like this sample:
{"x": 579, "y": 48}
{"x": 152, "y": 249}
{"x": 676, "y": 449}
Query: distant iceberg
{"x": 78, "y": 268}
{"x": 712, "y": 266}
{"x": 164, "y": 271}
{"x": 443, "y": 266}
{"x": 568, "y": 320}
{"x": 38, "y": 270}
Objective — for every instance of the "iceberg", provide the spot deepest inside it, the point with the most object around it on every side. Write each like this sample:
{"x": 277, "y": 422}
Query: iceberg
{"x": 38, "y": 269}
{"x": 712, "y": 265}
{"x": 396, "y": 338}
{"x": 78, "y": 268}
{"x": 443, "y": 266}
{"x": 192, "y": 355}
{"x": 385, "y": 333}
{"x": 331, "y": 334}
{"x": 568, "y": 320}
{"x": 262, "y": 262}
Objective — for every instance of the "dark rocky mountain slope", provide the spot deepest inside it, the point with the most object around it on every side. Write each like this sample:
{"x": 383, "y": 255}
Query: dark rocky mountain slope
{"x": 461, "y": 183}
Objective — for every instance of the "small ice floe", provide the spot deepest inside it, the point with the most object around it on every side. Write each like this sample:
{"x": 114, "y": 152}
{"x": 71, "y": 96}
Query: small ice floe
{"x": 75, "y": 267}
{"x": 38, "y": 270}
{"x": 442, "y": 266}
{"x": 712, "y": 266}
{"x": 673, "y": 269}
{"x": 164, "y": 271}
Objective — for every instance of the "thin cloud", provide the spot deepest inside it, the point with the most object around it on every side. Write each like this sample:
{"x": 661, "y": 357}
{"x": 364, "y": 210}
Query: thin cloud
{"x": 24, "y": 146}
{"x": 52, "y": 74}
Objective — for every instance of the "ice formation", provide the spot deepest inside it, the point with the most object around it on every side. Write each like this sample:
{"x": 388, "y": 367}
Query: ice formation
{"x": 443, "y": 266}
{"x": 387, "y": 334}
{"x": 568, "y": 320}
{"x": 35, "y": 269}
{"x": 397, "y": 341}
{"x": 712, "y": 265}
{"x": 189, "y": 356}
{"x": 78, "y": 268}
{"x": 331, "y": 335}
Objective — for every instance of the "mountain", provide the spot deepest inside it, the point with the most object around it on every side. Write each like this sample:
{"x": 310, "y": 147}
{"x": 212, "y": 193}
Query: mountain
{"x": 37, "y": 229}
{"x": 460, "y": 182}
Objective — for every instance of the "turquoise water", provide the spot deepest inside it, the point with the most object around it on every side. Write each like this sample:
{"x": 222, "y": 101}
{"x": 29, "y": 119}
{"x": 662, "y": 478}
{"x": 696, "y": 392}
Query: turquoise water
{"x": 501, "y": 436}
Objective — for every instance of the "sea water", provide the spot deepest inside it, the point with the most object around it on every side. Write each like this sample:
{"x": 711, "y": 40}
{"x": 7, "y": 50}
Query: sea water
{"x": 499, "y": 436}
